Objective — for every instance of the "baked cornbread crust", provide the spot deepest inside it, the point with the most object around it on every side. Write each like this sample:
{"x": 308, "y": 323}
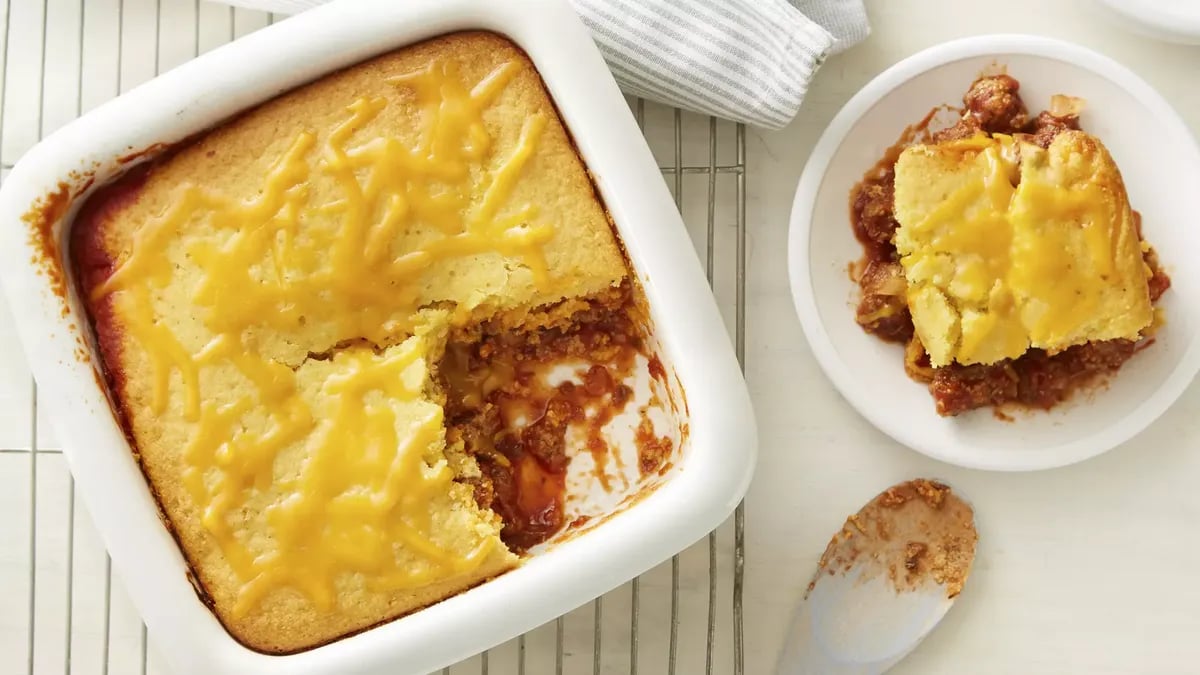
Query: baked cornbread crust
{"x": 271, "y": 298}
{"x": 1007, "y": 245}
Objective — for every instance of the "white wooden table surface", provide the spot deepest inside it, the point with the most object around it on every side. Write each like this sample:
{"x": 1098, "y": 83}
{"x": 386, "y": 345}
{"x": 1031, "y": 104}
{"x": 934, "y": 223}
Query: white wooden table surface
{"x": 1089, "y": 569}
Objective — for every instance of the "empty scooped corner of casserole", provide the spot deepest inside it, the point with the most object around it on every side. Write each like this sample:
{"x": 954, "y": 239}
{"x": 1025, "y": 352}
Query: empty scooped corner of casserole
{"x": 319, "y": 320}
{"x": 1008, "y": 246}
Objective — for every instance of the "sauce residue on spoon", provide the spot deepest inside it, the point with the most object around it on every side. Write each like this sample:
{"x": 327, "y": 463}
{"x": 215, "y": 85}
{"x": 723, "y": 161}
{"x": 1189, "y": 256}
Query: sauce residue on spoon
{"x": 917, "y": 532}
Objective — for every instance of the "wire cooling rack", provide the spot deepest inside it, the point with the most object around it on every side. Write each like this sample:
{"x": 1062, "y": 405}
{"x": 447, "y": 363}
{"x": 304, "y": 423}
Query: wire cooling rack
{"x": 61, "y": 608}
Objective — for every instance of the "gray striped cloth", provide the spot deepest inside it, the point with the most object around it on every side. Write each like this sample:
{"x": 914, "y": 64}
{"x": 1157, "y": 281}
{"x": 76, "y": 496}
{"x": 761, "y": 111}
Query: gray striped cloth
{"x": 743, "y": 60}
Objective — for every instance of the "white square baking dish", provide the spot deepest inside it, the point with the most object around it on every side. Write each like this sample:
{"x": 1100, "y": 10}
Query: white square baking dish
{"x": 714, "y": 463}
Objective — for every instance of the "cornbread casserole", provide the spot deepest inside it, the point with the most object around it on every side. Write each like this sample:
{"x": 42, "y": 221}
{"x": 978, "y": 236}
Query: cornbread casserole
{"x": 324, "y": 324}
{"x": 1004, "y": 253}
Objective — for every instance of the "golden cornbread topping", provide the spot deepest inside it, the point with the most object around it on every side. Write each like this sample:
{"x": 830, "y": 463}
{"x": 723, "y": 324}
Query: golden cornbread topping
{"x": 289, "y": 257}
{"x": 1007, "y": 245}
{"x": 315, "y": 445}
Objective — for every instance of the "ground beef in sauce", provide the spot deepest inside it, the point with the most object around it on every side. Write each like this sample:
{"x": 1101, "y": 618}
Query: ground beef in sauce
{"x": 871, "y": 209}
{"x": 883, "y": 307}
{"x": 1036, "y": 379}
{"x": 995, "y": 102}
{"x": 494, "y": 377}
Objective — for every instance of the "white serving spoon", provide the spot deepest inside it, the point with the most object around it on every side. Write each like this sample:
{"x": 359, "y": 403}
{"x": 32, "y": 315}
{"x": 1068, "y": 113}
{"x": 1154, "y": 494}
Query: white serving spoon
{"x": 885, "y": 580}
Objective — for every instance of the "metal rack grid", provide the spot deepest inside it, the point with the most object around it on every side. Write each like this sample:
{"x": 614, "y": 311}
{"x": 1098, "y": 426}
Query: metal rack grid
{"x": 62, "y": 57}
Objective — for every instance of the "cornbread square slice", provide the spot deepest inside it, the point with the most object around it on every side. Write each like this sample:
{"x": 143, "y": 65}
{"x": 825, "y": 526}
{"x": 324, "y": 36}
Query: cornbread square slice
{"x": 1007, "y": 246}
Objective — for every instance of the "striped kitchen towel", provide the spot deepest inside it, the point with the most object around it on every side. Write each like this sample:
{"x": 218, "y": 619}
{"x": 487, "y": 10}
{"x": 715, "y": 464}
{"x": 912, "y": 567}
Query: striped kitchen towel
{"x": 744, "y": 60}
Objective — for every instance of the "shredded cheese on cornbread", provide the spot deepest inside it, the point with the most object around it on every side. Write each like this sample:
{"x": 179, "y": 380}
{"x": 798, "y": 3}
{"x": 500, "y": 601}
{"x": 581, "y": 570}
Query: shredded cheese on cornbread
{"x": 363, "y": 500}
{"x": 1008, "y": 246}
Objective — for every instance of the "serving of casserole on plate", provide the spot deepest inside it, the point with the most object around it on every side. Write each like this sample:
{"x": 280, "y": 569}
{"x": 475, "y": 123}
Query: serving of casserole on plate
{"x": 375, "y": 361}
{"x": 1021, "y": 250}
{"x": 1003, "y": 253}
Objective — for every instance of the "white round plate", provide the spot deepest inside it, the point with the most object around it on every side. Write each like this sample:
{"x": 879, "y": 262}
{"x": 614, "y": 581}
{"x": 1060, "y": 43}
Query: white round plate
{"x": 1169, "y": 20}
{"x": 1161, "y": 167}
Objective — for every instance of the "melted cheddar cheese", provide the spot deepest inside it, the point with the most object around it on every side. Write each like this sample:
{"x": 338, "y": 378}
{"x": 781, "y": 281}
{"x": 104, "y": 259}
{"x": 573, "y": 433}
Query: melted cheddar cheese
{"x": 1007, "y": 246}
{"x": 315, "y": 307}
